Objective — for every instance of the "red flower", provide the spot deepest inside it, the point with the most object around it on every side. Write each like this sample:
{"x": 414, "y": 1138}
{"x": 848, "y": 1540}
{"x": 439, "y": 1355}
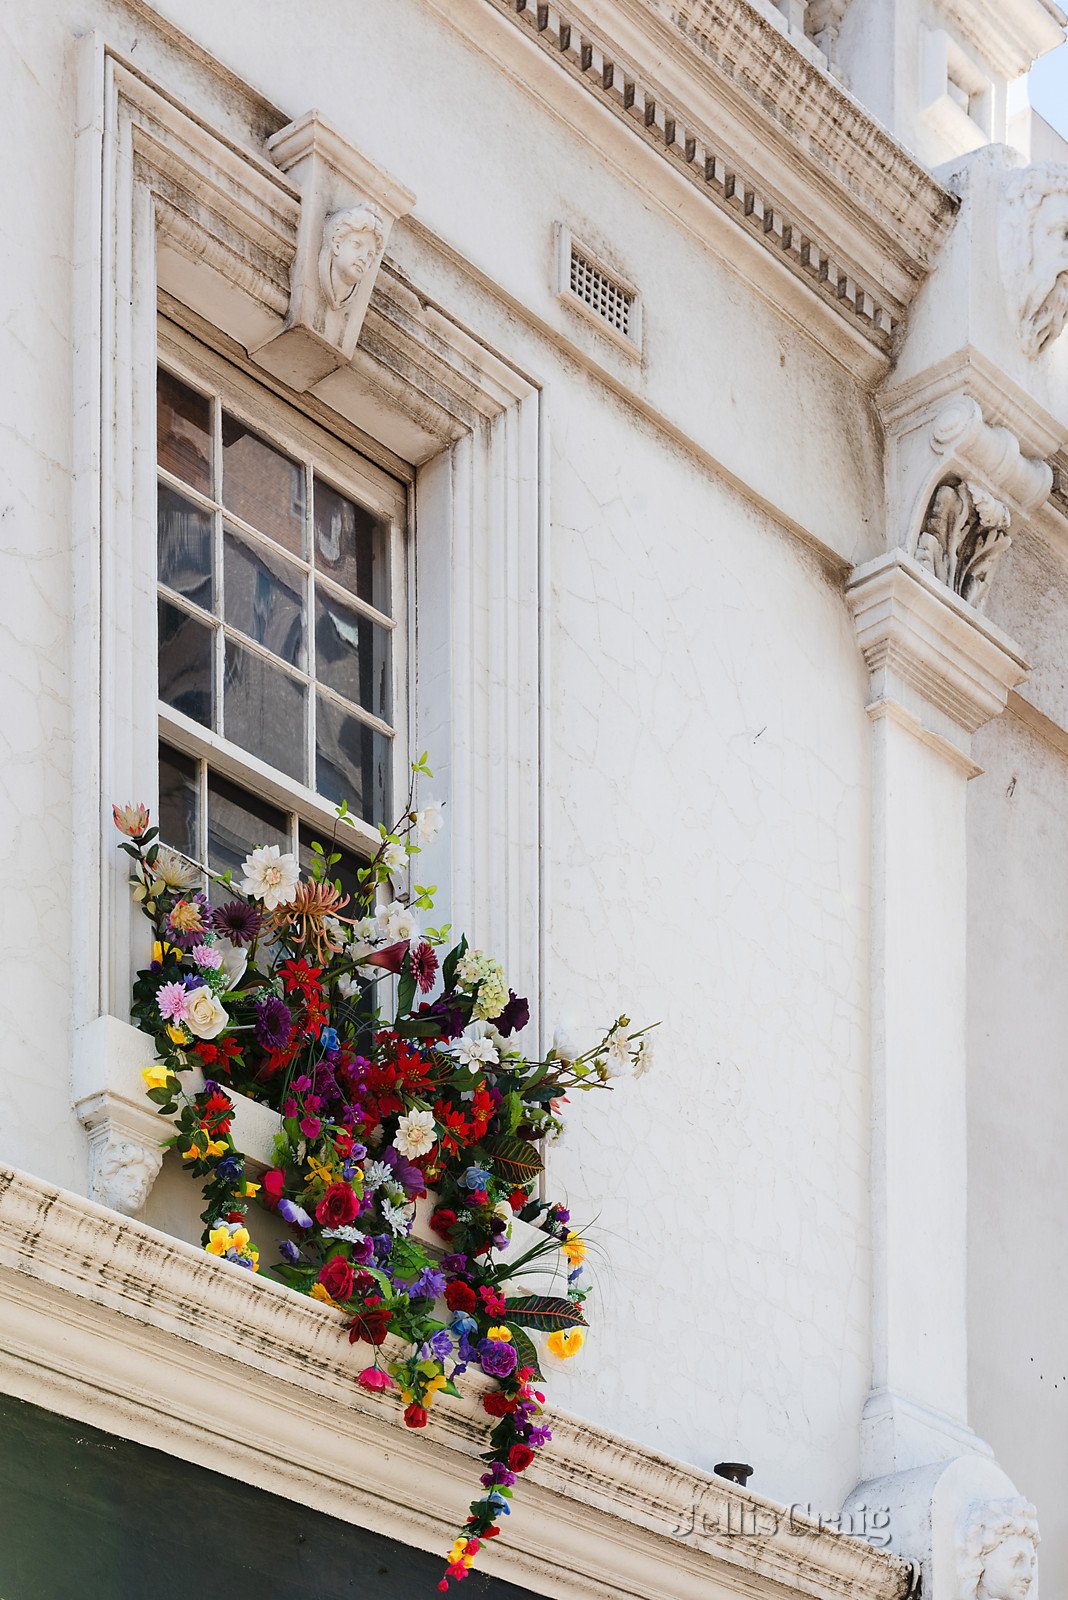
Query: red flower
{"x": 273, "y": 1184}
{"x": 371, "y": 1324}
{"x": 343, "y": 1142}
{"x": 297, "y": 975}
{"x": 519, "y": 1457}
{"x": 337, "y": 1278}
{"x": 518, "y": 1199}
{"x": 443, "y": 1221}
{"x": 498, "y": 1404}
{"x": 460, "y": 1296}
{"x": 493, "y": 1302}
{"x": 338, "y": 1207}
{"x": 415, "y": 1416}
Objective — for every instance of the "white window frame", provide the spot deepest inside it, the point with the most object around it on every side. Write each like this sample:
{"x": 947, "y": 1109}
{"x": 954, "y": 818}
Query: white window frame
{"x": 172, "y": 211}
{"x": 338, "y": 462}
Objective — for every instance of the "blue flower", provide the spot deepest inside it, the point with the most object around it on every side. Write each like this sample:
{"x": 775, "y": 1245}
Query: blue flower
{"x": 328, "y": 1038}
{"x": 501, "y": 1508}
{"x": 475, "y": 1178}
{"x": 462, "y": 1323}
{"x": 290, "y": 1212}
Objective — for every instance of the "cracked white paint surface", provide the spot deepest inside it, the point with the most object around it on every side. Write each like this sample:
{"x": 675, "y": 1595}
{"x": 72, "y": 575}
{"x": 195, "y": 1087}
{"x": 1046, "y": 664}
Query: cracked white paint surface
{"x": 710, "y": 868}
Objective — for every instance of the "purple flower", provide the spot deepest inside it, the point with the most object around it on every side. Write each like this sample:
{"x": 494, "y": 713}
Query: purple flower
{"x": 538, "y": 1436}
{"x": 514, "y": 1017}
{"x": 274, "y": 1023}
{"x": 406, "y": 1172}
{"x": 364, "y": 1252}
{"x": 383, "y": 1246}
{"x": 498, "y": 1476}
{"x": 441, "y": 1344}
{"x": 498, "y": 1358}
{"x": 289, "y": 1252}
{"x": 231, "y": 1169}
{"x": 237, "y": 922}
{"x": 290, "y": 1212}
{"x": 427, "y": 1285}
{"x": 450, "y": 1019}
{"x": 454, "y": 1263}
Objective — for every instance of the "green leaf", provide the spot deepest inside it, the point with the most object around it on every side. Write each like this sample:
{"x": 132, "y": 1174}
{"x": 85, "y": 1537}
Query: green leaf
{"x": 517, "y": 1161}
{"x": 525, "y": 1350}
{"x": 405, "y": 994}
{"x": 451, "y": 962}
{"x": 543, "y": 1312}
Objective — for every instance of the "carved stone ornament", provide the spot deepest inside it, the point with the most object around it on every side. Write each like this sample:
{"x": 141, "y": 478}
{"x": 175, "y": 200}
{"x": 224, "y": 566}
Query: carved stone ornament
{"x": 122, "y": 1172}
{"x": 1035, "y": 251}
{"x": 823, "y": 21}
{"x": 348, "y": 206}
{"x": 997, "y": 1550}
{"x": 964, "y": 535}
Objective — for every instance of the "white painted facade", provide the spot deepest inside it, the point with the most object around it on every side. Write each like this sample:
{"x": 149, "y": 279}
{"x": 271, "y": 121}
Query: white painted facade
{"x": 723, "y": 743}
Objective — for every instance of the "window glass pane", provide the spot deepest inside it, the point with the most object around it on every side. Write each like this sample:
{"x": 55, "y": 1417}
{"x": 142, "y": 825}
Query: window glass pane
{"x": 183, "y": 432}
{"x": 237, "y": 823}
{"x": 178, "y": 800}
{"x": 262, "y": 486}
{"x": 345, "y": 869}
{"x": 264, "y": 710}
{"x": 352, "y": 546}
{"x": 264, "y": 597}
{"x": 184, "y": 546}
{"x": 185, "y": 676}
{"x": 352, "y": 655}
{"x": 352, "y": 761}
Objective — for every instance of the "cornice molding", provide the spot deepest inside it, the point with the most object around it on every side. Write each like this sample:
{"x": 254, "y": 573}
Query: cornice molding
{"x": 769, "y": 138}
{"x": 917, "y": 635}
{"x": 1011, "y": 34}
{"x": 149, "y": 1337}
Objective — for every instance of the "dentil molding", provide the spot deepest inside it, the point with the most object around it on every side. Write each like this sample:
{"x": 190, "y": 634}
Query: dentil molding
{"x": 106, "y": 1320}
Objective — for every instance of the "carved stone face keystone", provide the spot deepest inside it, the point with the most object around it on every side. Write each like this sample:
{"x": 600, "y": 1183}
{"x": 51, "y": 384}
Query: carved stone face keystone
{"x": 352, "y": 241}
{"x": 1036, "y": 248}
{"x": 997, "y": 1551}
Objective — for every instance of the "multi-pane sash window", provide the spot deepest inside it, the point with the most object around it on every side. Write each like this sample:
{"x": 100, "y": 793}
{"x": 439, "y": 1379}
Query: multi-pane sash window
{"x": 280, "y": 587}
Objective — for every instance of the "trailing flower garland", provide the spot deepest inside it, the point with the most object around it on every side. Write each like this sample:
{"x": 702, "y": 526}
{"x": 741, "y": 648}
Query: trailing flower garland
{"x": 273, "y": 992}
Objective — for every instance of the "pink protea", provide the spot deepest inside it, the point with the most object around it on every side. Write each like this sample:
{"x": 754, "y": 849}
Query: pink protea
{"x": 131, "y": 820}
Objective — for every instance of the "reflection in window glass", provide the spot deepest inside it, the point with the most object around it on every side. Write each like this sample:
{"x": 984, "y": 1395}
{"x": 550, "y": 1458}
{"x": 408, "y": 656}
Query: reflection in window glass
{"x": 345, "y": 869}
{"x": 352, "y": 546}
{"x": 184, "y": 546}
{"x": 178, "y": 800}
{"x": 262, "y": 486}
{"x": 264, "y": 710}
{"x": 264, "y": 598}
{"x": 183, "y": 432}
{"x": 352, "y": 655}
{"x": 185, "y": 676}
{"x": 351, "y": 761}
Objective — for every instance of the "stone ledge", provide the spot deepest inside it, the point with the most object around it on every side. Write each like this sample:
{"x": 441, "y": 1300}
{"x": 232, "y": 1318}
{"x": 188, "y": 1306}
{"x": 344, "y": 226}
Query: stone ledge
{"x": 107, "y": 1320}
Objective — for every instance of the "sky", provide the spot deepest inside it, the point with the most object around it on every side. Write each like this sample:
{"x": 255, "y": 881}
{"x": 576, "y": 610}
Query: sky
{"x": 1048, "y": 88}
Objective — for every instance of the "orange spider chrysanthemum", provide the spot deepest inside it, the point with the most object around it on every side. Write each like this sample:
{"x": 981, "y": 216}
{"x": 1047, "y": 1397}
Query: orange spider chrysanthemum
{"x": 304, "y": 919}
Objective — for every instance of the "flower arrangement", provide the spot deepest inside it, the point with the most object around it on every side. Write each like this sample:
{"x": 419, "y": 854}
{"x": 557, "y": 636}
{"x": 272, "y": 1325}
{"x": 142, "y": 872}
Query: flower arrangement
{"x": 385, "y": 1090}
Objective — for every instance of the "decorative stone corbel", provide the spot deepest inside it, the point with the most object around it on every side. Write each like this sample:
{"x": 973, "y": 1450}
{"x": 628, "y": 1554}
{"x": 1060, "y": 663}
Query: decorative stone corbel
{"x": 956, "y": 484}
{"x": 1034, "y": 252}
{"x": 109, "y": 1097}
{"x": 964, "y": 1525}
{"x": 348, "y": 207}
{"x": 823, "y": 21}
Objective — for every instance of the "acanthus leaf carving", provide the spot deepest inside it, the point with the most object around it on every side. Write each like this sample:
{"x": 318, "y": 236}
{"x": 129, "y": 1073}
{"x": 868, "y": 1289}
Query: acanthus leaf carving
{"x": 1034, "y": 227}
{"x": 964, "y": 535}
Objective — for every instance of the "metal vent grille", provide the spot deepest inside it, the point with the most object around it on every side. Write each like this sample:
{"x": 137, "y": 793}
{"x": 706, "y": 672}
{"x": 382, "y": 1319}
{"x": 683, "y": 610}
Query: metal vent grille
{"x": 605, "y": 297}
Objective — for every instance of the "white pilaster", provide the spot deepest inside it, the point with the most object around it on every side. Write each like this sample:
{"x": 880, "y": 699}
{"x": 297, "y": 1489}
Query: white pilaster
{"x": 939, "y": 670}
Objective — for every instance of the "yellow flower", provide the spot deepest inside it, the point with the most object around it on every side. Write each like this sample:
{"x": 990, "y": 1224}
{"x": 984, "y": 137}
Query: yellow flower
{"x": 160, "y": 950}
{"x": 218, "y": 1241}
{"x": 317, "y": 1292}
{"x": 499, "y": 1333}
{"x": 155, "y": 1077}
{"x": 177, "y": 1035}
{"x": 192, "y": 1154}
{"x": 217, "y": 1147}
{"x": 251, "y": 1189}
{"x": 321, "y": 1170}
{"x": 407, "y": 1396}
{"x": 574, "y": 1249}
{"x": 566, "y": 1343}
{"x": 239, "y": 1240}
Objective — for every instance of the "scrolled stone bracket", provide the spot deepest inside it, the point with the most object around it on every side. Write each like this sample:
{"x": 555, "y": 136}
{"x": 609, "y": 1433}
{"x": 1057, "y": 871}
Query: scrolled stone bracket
{"x": 959, "y": 487}
{"x": 348, "y": 206}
